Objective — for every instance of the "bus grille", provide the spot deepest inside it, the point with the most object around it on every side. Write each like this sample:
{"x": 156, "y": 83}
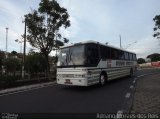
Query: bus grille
{"x": 67, "y": 75}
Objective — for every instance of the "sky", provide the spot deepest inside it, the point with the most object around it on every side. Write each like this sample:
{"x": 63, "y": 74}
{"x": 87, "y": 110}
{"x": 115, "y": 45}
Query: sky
{"x": 98, "y": 20}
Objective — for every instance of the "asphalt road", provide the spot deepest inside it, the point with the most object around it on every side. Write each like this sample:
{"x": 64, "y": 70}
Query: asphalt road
{"x": 66, "y": 99}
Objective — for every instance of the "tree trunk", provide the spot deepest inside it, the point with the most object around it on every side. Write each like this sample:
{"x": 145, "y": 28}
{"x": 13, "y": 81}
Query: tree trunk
{"x": 48, "y": 67}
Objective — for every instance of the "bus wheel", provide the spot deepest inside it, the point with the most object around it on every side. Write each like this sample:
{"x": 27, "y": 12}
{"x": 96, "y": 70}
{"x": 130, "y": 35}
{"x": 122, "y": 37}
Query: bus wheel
{"x": 102, "y": 79}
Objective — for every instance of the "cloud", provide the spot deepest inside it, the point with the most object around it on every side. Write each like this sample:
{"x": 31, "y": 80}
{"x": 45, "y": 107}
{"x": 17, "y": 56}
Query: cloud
{"x": 10, "y": 9}
{"x": 98, "y": 20}
{"x": 104, "y": 21}
{"x": 86, "y": 15}
{"x": 12, "y": 17}
{"x": 12, "y": 36}
{"x": 145, "y": 47}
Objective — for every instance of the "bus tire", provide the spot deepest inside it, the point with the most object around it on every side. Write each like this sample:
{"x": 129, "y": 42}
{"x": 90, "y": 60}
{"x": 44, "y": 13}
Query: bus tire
{"x": 102, "y": 79}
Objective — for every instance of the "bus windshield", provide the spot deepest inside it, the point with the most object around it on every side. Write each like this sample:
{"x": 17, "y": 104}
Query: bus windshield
{"x": 72, "y": 56}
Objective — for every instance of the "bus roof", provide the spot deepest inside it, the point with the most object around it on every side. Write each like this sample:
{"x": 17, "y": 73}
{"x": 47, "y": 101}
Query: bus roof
{"x": 91, "y": 41}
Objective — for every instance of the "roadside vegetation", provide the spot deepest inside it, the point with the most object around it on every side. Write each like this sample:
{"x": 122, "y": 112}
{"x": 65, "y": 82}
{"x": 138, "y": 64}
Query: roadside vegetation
{"x": 35, "y": 69}
{"x": 43, "y": 25}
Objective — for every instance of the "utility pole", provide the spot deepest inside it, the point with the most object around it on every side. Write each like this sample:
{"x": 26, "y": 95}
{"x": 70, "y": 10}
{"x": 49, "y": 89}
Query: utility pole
{"x": 120, "y": 41}
{"x": 56, "y": 43}
{"x": 6, "y": 41}
{"x": 24, "y": 50}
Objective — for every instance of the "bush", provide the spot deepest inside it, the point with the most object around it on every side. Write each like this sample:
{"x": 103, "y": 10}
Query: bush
{"x": 35, "y": 63}
{"x": 0, "y": 66}
{"x": 12, "y": 65}
{"x": 0, "y": 63}
{"x": 8, "y": 81}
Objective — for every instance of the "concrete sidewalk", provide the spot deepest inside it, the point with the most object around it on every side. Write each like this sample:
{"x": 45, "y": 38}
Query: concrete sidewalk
{"x": 147, "y": 95}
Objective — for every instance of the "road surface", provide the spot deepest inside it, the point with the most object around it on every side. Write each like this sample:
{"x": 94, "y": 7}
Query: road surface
{"x": 67, "y": 99}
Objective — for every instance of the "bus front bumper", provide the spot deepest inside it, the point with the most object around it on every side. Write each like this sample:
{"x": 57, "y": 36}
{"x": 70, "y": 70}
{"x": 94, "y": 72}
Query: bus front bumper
{"x": 74, "y": 82}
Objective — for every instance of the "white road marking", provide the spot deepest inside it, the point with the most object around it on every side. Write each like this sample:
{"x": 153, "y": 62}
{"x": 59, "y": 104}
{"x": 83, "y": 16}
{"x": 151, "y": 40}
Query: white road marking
{"x": 131, "y": 86}
{"x": 145, "y": 75}
{"x": 127, "y": 95}
{"x": 140, "y": 76}
{"x": 134, "y": 81}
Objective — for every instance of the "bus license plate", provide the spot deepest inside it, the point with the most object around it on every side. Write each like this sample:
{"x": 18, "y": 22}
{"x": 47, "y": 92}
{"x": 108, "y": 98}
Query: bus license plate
{"x": 68, "y": 81}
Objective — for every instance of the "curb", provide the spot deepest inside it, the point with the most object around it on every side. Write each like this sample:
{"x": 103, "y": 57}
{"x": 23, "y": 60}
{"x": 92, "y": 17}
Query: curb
{"x": 127, "y": 104}
{"x": 148, "y": 68}
{"x": 129, "y": 101}
{"x": 25, "y": 88}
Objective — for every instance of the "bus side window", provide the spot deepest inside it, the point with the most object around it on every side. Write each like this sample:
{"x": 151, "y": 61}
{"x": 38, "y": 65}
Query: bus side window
{"x": 108, "y": 54}
{"x": 134, "y": 57}
{"x": 112, "y": 53}
{"x": 126, "y": 56}
{"x": 89, "y": 55}
{"x": 130, "y": 56}
{"x": 121, "y": 55}
{"x": 116, "y": 52}
{"x": 103, "y": 51}
{"x": 92, "y": 54}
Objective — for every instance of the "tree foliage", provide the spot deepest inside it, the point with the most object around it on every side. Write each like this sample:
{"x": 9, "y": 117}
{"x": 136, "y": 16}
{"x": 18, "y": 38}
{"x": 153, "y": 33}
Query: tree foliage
{"x": 13, "y": 53}
{"x": 2, "y": 55}
{"x": 35, "y": 63}
{"x": 156, "y": 29}
{"x": 12, "y": 65}
{"x": 141, "y": 60}
{"x": 154, "y": 57}
{"x": 0, "y": 65}
{"x": 44, "y": 24}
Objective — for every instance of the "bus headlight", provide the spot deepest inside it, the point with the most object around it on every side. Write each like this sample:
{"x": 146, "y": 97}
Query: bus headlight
{"x": 59, "y": 75}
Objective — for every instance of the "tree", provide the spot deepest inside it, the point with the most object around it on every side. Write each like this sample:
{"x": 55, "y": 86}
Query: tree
{"x": 14, "y": 53}
{"x": 2, "y": 56}
{"x": 154, "y": 57}
{"x": 43, "y": 27}
{"x": 35, "y": 63}
{"x": 156, "y": 29}
{"x": 0, "y": 65}
{"x": 12, "y": 65}
{"x": 141, "y": 60}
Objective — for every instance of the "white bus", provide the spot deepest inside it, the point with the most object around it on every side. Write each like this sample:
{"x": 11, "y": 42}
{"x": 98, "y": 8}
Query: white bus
{"x": 88, "y": 63}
